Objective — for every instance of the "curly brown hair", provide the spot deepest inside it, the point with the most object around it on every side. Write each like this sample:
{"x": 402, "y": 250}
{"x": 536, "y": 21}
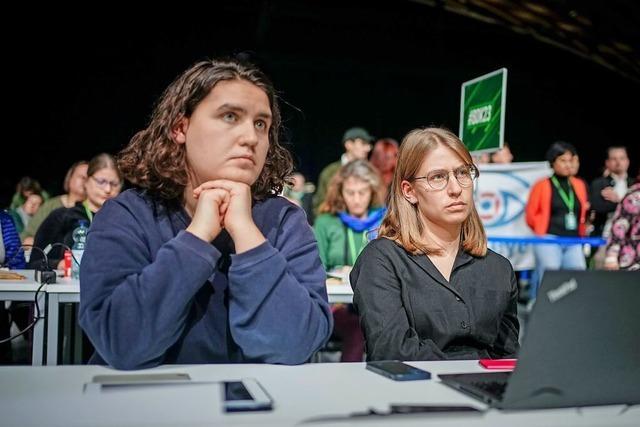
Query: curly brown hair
{"x": 361, "y": 169}
{"x": 155, "y": 162}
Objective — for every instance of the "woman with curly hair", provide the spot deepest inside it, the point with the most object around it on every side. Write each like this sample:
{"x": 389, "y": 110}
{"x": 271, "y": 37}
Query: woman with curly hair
{"x": 201, "y": 262}
{"x": 349, "y": 216}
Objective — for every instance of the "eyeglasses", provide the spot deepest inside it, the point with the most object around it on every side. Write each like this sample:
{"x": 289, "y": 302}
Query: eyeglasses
{"x": 103, "y": 183}
{"x": 439, "y": 179}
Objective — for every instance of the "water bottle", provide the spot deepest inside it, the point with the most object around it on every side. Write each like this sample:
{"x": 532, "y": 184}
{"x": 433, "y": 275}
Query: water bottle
{"x": 79, "y": 239}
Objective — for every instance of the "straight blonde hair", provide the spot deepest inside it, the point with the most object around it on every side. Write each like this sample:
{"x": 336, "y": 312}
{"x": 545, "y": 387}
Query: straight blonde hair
{"x": 402, "y": 223}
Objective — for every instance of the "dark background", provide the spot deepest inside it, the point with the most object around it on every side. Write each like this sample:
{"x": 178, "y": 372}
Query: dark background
{"x": 84, "y": 82}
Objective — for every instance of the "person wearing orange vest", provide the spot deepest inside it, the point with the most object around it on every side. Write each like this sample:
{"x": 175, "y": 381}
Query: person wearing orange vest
{"x": 557, "y": 207}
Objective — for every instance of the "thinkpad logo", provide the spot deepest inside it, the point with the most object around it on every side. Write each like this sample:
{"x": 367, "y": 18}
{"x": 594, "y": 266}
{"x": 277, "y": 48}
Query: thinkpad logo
{"x": 563, "y": 290}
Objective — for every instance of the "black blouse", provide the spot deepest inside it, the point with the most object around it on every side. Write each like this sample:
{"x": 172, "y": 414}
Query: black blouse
{"x": 409, "y": 311}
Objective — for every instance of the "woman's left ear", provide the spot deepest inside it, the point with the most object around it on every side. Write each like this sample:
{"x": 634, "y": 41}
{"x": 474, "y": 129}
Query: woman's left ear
{"x": 179, "y": 131}
{"x": 408, "y": 192}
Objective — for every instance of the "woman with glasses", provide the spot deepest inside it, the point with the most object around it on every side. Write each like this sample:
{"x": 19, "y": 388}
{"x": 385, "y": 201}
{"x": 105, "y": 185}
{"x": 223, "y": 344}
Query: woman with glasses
{"x": 104, "y": 182}
{"x": 428, "y": 288}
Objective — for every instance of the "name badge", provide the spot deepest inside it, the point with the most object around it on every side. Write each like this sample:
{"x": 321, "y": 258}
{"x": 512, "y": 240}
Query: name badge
{"x": 570, "y": 221}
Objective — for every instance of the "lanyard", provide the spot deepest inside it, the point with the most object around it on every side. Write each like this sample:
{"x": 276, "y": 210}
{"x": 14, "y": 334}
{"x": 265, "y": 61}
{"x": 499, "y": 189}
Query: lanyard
{"x": 569, "y": 200}
{"x": 352, "y": 244}
{"x": 88, "y": 211}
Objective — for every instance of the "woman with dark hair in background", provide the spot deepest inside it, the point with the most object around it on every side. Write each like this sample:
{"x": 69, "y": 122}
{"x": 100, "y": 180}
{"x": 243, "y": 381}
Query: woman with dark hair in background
{"x": 23, "y": 214}
{"x": 202, "y": 262}
{"x": 557, "y": 206}
{"x": 24, "y": 188}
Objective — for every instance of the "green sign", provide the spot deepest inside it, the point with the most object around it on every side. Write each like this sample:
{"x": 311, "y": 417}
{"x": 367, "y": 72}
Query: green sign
{"x": 482, "y": 108}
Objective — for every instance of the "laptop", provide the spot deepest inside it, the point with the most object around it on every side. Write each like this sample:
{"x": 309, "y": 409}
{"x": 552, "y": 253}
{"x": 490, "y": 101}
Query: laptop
{"x": 582, "y": 347}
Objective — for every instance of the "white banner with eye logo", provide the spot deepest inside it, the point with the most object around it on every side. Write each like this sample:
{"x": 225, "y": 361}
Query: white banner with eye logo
{"x": 501, "y": 193}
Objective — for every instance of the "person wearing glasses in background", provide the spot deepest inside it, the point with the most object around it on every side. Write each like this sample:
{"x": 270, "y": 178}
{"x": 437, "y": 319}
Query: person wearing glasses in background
{"x": 104, "y": 182}
{"x": 428, "y": 288}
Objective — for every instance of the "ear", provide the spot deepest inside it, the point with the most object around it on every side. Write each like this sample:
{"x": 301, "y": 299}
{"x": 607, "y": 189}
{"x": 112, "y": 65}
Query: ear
{"x": 408, "y": 192}
{"x": 348, "y": 145}
{"x": 179, "y": 131}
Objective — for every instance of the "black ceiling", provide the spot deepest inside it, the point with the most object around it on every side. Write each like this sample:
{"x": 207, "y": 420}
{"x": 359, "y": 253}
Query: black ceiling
{"x": 605, "y": 32}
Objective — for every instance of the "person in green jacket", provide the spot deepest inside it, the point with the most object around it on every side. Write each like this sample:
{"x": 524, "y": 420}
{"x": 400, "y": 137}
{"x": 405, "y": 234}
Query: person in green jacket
{"x": 22, "y": 214}
{"x": 25, "y": 187}
{"x": 348, "y": 219}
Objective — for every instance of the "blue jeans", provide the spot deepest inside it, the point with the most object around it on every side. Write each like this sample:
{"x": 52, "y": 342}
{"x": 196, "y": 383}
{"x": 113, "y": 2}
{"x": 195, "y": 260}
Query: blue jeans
{"x": 556, "y": 257}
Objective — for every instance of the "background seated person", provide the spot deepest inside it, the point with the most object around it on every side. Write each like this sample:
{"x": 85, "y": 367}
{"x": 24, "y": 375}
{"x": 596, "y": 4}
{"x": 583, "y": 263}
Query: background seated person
{"x": 73, "y": 185}
{"x": 22, "y": 214}
{"x": 350, "y": 213}
{"x": 103, "y": 183}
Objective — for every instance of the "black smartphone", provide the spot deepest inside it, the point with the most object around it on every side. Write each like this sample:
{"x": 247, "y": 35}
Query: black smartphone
{"x": 420, "y": 409}
{"x": 141, "y": 379}
{"x": 245, "y": 396}
{"x": 397, "y": 370}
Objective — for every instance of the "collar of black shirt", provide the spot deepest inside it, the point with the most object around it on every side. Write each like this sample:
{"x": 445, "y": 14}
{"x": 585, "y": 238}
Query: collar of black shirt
{"x": 425, "y": 263}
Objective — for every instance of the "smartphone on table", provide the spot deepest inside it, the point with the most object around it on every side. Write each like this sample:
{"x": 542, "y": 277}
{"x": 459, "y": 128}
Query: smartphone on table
{"x": 397, "y": 370}
{"x": 245, "y": 395}
{"x": 509, "y": 364}
{"x": 141, "y": 379}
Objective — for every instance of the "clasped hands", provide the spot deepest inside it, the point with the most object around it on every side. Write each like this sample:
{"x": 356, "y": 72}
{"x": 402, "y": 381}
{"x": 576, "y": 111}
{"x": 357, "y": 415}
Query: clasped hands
{"x": 225, "y": 204}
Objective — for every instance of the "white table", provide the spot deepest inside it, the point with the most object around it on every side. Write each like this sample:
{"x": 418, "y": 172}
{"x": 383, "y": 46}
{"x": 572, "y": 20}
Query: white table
{"x": 341, "y": 293}
{"x": 25, "y": 290}
{"x": 66, "y": 290}
{"x": 53, "y": 396}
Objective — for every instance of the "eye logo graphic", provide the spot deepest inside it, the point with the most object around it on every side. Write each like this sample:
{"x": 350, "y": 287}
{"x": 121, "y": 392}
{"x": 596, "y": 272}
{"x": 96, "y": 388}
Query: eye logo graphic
{"x": 500, "y": 198}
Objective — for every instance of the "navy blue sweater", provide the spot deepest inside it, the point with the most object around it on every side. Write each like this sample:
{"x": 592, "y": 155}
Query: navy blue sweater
{"x": 152, "y": 293}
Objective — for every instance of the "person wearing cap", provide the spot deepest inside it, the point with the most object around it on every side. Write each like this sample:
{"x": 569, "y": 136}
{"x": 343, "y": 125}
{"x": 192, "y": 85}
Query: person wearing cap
{"x": 357, "y": 144}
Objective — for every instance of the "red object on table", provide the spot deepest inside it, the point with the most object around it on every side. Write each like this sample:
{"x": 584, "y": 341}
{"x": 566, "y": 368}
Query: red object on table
{"x": 498, "y": 363}
{"x": 67, "y": 263}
